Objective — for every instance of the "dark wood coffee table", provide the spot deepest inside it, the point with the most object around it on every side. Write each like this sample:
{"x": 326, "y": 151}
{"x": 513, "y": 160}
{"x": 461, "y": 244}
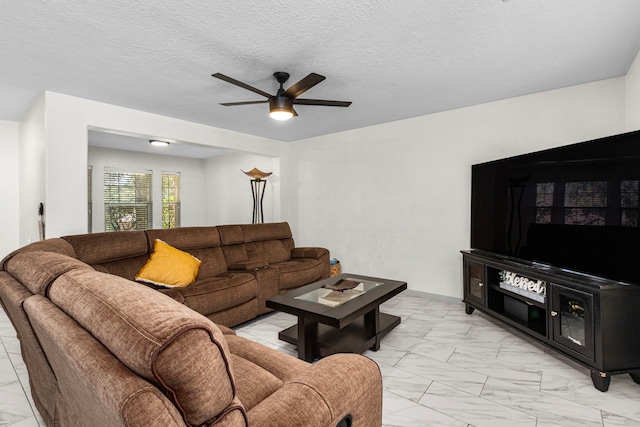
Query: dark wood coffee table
{"x": 352, "y": 326}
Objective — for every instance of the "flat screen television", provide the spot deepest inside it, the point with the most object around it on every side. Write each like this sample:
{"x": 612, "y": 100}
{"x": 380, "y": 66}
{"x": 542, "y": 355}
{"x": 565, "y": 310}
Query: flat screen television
{"x": 574, "y": 207}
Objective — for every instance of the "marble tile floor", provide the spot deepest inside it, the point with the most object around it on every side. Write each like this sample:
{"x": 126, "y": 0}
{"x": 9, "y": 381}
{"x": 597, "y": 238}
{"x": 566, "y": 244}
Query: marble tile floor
{"x": 440, "y": 367}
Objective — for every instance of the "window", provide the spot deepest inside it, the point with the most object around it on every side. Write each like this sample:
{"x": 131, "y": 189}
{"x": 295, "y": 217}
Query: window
{"x": 170, "y": 199}
{"x": 629, "y": 203}
{"x": 585, "y": 203}
{"x": 127, "y": 200}
{"x": 544, "y": 202}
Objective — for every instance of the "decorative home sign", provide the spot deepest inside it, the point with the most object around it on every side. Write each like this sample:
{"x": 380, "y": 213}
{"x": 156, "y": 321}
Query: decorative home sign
{"x": 529, "y": 288}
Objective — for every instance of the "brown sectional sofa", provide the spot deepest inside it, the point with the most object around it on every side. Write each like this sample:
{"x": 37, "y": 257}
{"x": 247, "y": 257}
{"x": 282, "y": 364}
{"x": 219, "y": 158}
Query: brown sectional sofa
{"x": 103, "y": 350}
{"x": 242, "y": 265}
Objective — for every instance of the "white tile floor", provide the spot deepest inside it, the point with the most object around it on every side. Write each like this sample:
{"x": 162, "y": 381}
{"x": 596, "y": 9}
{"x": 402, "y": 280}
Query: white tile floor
{"x": 440, "y": 367}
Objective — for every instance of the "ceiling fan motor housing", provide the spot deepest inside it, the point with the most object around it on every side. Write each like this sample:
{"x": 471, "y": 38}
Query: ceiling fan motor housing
{"x": 280, "y": 103}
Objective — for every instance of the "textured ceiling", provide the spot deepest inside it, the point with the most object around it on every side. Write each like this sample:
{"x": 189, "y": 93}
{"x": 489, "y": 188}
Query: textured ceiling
{"x": 393, "y": 59}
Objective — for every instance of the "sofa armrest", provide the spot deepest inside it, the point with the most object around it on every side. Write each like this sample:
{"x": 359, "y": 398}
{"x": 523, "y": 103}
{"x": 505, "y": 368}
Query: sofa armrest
{"x": 310, "y": 252}
{"x": 332, "y": 388}
{"x": 247, "y": 266}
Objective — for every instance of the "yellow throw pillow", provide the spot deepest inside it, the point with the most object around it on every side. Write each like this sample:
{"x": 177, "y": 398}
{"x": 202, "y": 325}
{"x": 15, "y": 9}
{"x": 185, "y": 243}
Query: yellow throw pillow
{"x": 169, "y": 267}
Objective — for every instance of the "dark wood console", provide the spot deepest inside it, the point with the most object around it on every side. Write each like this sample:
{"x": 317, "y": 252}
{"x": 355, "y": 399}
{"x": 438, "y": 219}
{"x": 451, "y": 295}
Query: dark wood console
{"x": 592, "y": 320}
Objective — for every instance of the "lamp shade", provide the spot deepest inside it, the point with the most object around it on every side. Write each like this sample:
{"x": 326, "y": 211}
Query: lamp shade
{"x": 281, "y": 107}
{"x": 256, "y": 173}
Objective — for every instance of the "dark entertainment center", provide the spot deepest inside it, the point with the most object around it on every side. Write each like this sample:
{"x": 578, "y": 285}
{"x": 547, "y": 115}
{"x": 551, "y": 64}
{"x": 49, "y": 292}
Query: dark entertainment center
{"x": 555, "y": 241}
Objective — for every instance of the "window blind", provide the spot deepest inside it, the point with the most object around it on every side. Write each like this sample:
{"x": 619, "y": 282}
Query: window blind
{"x": 127, "y": 200}
{"x": 170, "y": 199}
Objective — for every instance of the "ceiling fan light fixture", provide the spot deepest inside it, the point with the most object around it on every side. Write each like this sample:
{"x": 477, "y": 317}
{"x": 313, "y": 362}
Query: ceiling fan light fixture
{"x": 158, "y": 143}
{"x": 280, "y": 107}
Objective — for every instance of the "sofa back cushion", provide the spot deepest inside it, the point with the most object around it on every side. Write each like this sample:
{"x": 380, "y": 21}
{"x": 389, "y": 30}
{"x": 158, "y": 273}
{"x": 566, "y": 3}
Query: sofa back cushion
{"x": 166, "y": 343}
{"x": 55, "y": 244}
{"x": 122, "y": 253}
{"x": 36, "y": 270}
{"x": 271, "y": 242}
{"x": 233, "y": 244}
{"x": 201, "y": 242}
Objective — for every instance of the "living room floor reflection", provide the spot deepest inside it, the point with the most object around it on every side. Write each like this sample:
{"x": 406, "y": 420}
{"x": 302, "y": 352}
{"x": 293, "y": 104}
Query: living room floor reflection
{"x": 440, "y": 367}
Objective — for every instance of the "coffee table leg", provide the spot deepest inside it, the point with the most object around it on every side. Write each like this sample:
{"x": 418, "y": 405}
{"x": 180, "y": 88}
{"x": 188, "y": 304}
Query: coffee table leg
{"x": 307, "y": 336}
{"x": 372, "y": 325}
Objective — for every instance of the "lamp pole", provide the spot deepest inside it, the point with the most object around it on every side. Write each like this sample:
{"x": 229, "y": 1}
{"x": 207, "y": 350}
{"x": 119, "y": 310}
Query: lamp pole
{"x": 258, "y": 185}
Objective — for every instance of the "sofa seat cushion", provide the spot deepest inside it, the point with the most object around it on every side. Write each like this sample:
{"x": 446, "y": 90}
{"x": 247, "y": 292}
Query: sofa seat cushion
{"x": 219, "y": 293}
{"x": 176, "y": 349}
{"x": 260, "y": 371}
{"x": 281, "y": 365}
{"x": 254, "y": 384}
{"x": 298, "y": 272}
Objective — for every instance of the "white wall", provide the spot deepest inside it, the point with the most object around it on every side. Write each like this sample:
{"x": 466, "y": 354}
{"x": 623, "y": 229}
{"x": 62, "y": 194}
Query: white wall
{"x": 389, "y": 200}
{"x": 32, "y": 173}
{"x": 632, "y": 92}
{"x": 67, "y": 119}
{"x": 9, "y": 146}
{"x": 393, "y": 200}
{"x": 192, "y": 183}
{"x": 229, "y": 199}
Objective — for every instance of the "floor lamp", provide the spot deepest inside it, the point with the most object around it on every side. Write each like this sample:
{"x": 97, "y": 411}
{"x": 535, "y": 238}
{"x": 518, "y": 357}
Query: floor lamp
{"x": 258, "y": 185}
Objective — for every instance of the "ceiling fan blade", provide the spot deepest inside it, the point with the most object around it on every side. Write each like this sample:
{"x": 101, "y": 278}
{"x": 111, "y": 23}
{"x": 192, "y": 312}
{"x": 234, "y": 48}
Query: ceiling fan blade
{"x": 242, "y": 85}
{"x": 295, "y": 113}
{"x": 304, "y": 85}
{"x": 231, "y": 104}
{"x": 321, "y": 102}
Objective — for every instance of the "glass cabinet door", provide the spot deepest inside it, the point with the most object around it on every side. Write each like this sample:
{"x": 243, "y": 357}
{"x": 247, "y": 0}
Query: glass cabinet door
{"x": 474, "y": 289}
{"x": 571, "y": 315}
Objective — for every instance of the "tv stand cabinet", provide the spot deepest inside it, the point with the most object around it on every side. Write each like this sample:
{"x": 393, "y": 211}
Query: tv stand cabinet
{"x": 592, "y": 320}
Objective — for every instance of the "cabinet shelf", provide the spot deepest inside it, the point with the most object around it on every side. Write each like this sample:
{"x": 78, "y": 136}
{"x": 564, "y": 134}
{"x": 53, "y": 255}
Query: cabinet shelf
{"x": 531, "y": 315}
{"x": 498, "y": 289}
{"x": 534, "y": 328}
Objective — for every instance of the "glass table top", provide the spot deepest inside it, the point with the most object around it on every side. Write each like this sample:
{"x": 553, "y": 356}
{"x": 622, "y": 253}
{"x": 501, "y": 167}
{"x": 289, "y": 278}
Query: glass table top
{"x": 331, "y": 298}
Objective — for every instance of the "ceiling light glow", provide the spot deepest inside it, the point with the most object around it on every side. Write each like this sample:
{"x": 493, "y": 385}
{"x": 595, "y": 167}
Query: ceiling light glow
{"x": 158, "y": 143}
